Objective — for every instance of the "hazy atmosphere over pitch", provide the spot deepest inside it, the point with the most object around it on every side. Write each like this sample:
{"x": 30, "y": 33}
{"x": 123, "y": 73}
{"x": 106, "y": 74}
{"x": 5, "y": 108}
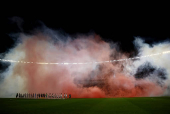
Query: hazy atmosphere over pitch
{"x": 80, "y": 40}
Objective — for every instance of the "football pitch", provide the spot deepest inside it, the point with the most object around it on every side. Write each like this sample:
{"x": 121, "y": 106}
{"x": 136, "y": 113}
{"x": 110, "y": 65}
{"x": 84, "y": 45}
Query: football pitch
{"x": 143, "y": 105}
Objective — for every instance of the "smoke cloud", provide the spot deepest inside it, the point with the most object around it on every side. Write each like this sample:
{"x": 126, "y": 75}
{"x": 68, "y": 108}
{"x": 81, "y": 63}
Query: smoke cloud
{"x": 141, "y": 77}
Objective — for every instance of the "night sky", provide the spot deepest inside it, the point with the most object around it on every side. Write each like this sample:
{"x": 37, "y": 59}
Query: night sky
{"x": 120, "y": 27}
{"x": 117, "y": 26}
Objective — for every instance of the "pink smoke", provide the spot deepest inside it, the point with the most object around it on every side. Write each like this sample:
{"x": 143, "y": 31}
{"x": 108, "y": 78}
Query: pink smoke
{"x": 60, "y": 79}
{"x": 81, "y": 81}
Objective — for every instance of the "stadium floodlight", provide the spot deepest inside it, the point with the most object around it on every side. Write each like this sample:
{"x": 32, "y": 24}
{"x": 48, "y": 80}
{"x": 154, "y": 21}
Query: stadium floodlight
{"x": 41, "y": 63}
{"x": 165, "y": 52}
{"x": 98, "y": 62}
{"x": 54, "y": 63}
{"x": 51, "y": 63}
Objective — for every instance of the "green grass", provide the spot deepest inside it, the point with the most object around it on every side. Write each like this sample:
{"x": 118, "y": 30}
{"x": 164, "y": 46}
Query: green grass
{"x": 145, "y": 105}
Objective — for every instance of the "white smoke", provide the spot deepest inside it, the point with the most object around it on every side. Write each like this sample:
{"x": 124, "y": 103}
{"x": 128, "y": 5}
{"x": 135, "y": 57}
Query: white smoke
{"x": 81, "y": 50}
{"x": 161, "y": 61}
{"x": 13, "y": 82}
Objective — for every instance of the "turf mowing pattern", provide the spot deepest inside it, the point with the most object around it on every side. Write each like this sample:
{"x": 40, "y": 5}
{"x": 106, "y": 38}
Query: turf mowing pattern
{"x": 144, "y": 105}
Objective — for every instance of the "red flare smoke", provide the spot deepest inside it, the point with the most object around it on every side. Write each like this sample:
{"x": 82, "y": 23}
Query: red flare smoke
{"x": 61, "y": 78}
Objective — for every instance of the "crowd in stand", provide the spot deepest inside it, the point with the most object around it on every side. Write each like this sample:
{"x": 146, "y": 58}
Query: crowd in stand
{"x": 42, "y": 95}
